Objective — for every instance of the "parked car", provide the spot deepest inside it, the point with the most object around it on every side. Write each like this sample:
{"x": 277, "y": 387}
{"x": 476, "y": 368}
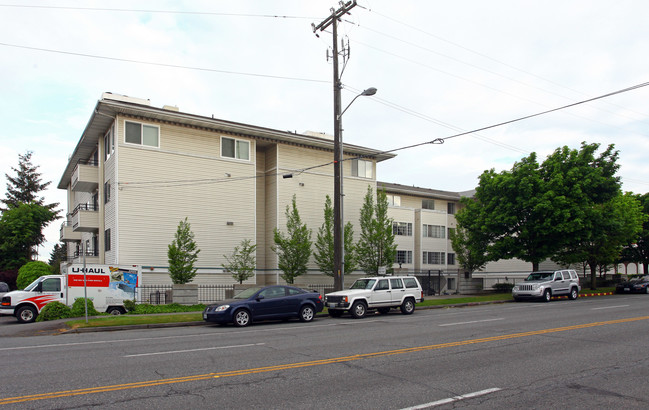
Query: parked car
{"x": 381, "y": 293}
{"x": 636, "y": 285}
{"x": 545, "y": 284}
{"x": 264, "y": 303}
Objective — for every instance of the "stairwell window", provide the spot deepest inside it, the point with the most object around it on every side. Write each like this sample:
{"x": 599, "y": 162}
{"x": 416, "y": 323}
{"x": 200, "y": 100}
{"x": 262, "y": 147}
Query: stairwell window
{"x": 142, "y": 134}
{"x": 233, "y": 148}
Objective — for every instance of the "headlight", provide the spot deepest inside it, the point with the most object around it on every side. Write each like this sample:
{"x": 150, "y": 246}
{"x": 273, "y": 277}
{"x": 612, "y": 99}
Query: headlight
{"x": 515, "y": 288}
{"x": 221, "y": 308}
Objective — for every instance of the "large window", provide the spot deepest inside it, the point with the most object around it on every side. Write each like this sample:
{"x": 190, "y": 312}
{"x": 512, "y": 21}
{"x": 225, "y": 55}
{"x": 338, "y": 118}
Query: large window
{"x": 428, "y": 204}
{"x": 394, "y": 200}
{"x": 404, "y": 257}
{"x": 361, "y": 168}
{"x": 232, "y": 148}
{"x": 433, "y": 231}
{"x": 402, "y": 228}
{"x": 433, "y": 258}
{"x": 142, "y": 134}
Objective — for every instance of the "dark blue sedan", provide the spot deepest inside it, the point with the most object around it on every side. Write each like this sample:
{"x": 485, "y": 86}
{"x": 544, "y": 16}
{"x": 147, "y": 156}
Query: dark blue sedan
{"x": 266, "y": 302}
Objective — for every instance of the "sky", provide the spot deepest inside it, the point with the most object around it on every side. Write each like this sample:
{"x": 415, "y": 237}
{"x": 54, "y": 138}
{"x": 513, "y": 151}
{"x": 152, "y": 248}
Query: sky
{"x": 441, "y": 68}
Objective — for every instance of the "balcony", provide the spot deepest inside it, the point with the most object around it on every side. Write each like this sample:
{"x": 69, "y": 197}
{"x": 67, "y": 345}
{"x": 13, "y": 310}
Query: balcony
{"x": 85, "y": 218}
{"x": 85, "y": 177}
{"x": 91, "y": 256}
{"x": 67, "y": 233}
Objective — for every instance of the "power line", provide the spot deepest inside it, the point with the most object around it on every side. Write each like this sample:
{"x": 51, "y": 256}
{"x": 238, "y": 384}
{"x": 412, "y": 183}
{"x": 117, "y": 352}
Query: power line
{"x": 126, "y": 60}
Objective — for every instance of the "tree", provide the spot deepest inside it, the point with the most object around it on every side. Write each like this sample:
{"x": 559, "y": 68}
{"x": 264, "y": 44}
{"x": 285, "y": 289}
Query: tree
{"x": 24, "y": 188}
{"x": 242, "y": 262}
{"x": 470, "y": 251}
{"x": 58, "y": 254}
{"x": 324, "y": 244}
{"x": 376, "y": 247}
{"x": 638, "y": 251}
{"x": 21, "y": 230}
{"x": 182, "y": 254}
{"x": 293, "y": 249}
{"x": 534, "y": 211}
{"x": 31, "y": 271}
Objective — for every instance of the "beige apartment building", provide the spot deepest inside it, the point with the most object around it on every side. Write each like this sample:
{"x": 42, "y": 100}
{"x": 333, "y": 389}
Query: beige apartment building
{"x": 138, "y": 170}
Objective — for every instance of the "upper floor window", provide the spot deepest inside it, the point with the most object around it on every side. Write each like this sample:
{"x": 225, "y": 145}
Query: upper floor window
{"x": 451, "y": 208}
{"x": 427, "y": 204}
{"x": 109, "y": 145}
{"x": 433, "y": 231}
{"x": 231, "y": 148}
{"x": 361, "y": 168}
{"x": 404, "y": 257}
{"x": 107, "y": 192}
{"x": 142, "y": 134}
{"x": 402, "y": 228}
{"x": 394, "y": 200}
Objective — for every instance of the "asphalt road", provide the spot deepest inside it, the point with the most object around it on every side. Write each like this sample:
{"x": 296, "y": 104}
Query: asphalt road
{"x": 589, "y": 353}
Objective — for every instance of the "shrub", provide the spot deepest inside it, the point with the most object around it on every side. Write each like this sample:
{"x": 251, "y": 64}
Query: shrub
{"x": 54, "y": 311}
{"x": 31, "y": 271}
{"x": 130, "y": 305}
{"x": 503, "y": 287}
{"x": 79, "y": 309}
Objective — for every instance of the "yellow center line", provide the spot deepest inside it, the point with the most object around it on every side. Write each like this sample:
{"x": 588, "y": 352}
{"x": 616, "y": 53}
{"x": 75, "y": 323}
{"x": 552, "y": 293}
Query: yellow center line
{"x": 288, "y": 366}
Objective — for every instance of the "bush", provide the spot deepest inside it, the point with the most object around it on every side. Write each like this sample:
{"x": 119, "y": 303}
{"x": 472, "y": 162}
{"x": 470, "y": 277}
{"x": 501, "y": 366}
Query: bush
{"x": 54, "y": 311}
{"x": 31, "y": 271}
{"x": 130, "y": 305}
{"x": 503, "y": 287}
{"x": 147, "y": 309}
{"x": 79, "y": 308}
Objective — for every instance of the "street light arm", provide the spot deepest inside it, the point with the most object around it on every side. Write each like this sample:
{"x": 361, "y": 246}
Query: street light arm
{"x": 368, "y": 92}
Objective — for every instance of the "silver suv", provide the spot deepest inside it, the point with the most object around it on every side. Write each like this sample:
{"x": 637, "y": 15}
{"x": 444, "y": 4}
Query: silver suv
{"x": 545, "y": 284}
{"x": 381, "y": 293}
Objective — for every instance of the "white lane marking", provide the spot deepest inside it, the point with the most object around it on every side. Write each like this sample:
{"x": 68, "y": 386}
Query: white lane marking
{"x": 609, "y": 307}
{"x": 454, "y": 399}
{"x": 194, "y": 350}
{"x": 472, "y": 321}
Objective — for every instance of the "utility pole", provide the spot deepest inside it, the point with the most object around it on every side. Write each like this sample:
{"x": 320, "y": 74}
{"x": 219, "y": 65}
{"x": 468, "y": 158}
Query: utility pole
{"x": 339, "y": 267}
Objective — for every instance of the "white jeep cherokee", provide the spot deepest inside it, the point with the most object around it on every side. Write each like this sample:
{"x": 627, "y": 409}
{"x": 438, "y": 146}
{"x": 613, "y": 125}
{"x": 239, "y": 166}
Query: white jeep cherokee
{"x": 380, "y": 293}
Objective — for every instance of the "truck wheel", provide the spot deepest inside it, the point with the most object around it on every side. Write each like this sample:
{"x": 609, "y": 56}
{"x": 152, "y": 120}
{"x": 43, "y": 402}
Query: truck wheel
{"x": 408, "y": 306}
{"x": 241, "y": 318}
{"x": 574, "y": 294}
{"x": 384, "y": 310}
{"x": 115, "y": 311}
{"x": 26, "y": 314}
{"x": 307, "y": 313}
{"x": 547, "y": 295}
{"x": 335, "y": 313}
{"x": 358, "y": 310}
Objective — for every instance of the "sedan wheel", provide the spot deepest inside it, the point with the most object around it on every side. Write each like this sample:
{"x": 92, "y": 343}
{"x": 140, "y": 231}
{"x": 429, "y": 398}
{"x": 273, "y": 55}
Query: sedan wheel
{"x": 241, "y": 318}
{"x": 307, "y": 313}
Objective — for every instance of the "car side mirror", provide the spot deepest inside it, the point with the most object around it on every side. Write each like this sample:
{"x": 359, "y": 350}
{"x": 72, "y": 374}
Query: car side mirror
{"x": 259, "y": 297}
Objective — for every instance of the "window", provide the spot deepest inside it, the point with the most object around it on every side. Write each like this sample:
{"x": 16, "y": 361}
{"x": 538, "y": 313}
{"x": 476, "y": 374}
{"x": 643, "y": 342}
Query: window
{"x": 402, "y": 228}
{"x": 427, "y": 204}
{"x": 272, "y": 293}
{"x": 141, "y": 134}
{"x": 51, "y": 285}
{"x": 449, "y": 232}
{"x": 107, "y": 192}
{"x": 231, "y": 148}
{"x": 433, "y": 258}
{"x": 109, "y": 145}
{"x": 450, "y": 258}
{"x": 410, "y": 283}
{"x": 394, "y": 200}
{"x": 396, "y": 283}
{"x": 451, "y": 208}
{"x": 107, "y": 240}
{"x": 382, "y": 285}
{"x": 433, "y": 231}
{"x": 361, "y": 168}
{"x": 404, "y": 257}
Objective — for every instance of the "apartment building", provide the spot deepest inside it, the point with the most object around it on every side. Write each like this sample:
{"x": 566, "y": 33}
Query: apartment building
{"x": 138, "y": 170}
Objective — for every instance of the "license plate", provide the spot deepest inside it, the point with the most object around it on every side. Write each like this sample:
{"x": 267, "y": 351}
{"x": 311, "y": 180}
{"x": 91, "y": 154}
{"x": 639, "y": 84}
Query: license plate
{"x": 204, "y": 316}
{"x": 626, "y": 289}
{"x": 331, "y": 305}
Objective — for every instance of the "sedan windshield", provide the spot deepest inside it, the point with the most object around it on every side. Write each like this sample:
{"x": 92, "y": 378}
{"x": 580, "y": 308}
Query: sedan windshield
{"x": 246, "y": 293}
{"x": 363, "y": 284}
{"x": 539, "y": 276}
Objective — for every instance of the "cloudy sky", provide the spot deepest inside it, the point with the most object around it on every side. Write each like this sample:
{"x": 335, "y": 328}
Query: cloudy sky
{"x": 440, "y": 68}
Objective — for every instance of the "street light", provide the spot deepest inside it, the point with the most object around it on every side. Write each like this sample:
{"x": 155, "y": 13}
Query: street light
{"x": 339, "y": 224}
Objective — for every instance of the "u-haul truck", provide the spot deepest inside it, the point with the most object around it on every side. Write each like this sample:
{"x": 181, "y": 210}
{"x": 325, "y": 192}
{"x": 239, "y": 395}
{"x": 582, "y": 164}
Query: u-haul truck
{"x": 107, "y": 286}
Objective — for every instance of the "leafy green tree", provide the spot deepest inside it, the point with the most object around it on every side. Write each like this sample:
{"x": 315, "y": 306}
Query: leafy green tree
{"x": 535, "y": 211}
{"x": 25, "y": 186}
{"x": 470, "y": 251}
{"x": 293, "y": 249}
{"x": 242, "y": 262}
{"x": 21, "y": 230}
{"x": 182, "y": 254}
{"x": 59, "y": 254}
{"x": 324, "y": 244}
{"x": 638, "y": 251}
{"x": 376, "y": 247}
{"x": 31, "y": 271}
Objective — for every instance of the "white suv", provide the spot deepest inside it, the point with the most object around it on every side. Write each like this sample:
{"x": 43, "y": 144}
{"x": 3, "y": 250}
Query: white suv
{"x": 545, "y": 284}
{"x": 381, "y": 293}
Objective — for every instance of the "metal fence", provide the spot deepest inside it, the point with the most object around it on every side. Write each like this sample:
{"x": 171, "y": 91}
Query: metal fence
{"x": 163, "y": 294}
